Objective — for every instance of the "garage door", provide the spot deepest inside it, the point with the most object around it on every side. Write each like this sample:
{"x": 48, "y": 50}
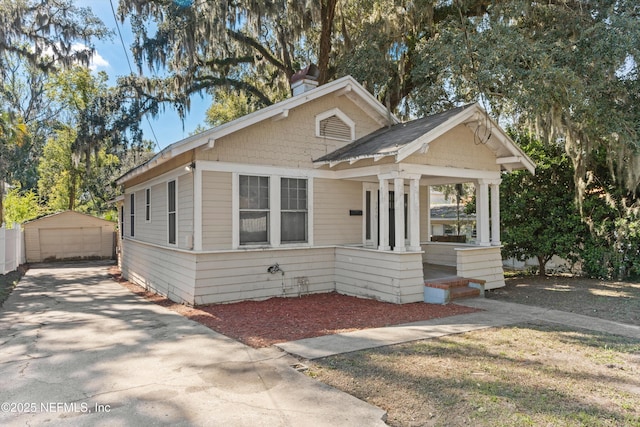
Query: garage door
{"x": 68, "y": 243}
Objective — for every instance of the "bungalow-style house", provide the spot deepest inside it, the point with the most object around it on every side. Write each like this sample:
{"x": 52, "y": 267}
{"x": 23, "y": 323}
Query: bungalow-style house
{"x": 325, "y": 191}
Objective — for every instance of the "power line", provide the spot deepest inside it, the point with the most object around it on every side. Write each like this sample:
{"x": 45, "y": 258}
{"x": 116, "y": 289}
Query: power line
{"x": 126, "y": 55}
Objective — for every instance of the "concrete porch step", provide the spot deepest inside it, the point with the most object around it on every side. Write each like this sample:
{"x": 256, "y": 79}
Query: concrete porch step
{"x": 446, "y": 289}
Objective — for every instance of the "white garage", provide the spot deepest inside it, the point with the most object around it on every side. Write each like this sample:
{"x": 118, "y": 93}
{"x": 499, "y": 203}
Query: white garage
{"x": 68, "y": 236}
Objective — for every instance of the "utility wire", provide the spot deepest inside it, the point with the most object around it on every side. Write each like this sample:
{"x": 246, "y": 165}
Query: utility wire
{"x": 126, "y": 55}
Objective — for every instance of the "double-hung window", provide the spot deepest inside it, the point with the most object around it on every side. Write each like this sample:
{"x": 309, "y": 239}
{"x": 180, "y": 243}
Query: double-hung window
{"x": 132, "y": 213}
{"x": 254, "y": 209}
{"x": 171, "y": 211}
{"x": 147, "y": 204}
{"x": 293, "y": 210}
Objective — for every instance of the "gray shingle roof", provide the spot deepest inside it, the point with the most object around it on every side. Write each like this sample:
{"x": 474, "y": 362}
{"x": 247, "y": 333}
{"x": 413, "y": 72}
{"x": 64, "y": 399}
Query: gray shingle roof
{"x": 389, "y": 140}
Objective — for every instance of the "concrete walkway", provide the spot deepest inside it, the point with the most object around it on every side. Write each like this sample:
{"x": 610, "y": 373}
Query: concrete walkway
{"x": 76, "y": 348}
{"x": 496, "y": 313}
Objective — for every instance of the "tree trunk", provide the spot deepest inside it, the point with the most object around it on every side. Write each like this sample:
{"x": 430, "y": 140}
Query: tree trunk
{"x": 72, "y": 190}
{"x": 327, "y": 11}
{"x": 542, "y": 263}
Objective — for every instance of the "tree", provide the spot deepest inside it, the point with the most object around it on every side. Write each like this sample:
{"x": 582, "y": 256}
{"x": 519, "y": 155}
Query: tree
{"x": 21, "y": 206}
{"x": 48, "y": 34}
{"x": 565, "y": 70}
{"x": 13, "y": 134}
{"x": 538, "y": 212}
{"x": 60, "y": 177}
{"x": 247, "y": 46}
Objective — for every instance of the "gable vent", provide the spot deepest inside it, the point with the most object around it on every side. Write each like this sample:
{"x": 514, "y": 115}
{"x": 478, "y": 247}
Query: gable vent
{"x": 334, "y": 127}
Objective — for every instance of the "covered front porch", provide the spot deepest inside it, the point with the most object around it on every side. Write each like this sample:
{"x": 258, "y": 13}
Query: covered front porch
{"x": 397, "y": 167}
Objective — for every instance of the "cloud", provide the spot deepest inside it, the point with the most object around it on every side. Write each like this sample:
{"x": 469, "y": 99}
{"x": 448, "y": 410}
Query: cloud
{"x": 97, "y": 60}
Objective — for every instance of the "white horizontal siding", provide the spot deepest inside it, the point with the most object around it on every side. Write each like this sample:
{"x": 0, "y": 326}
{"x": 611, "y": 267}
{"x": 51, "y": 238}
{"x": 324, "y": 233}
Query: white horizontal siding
{"x": 386, "y": 276}
{"x": 242, "y": 275}
{"x": 484, "y": 263}
{"x": 162, "y": 270}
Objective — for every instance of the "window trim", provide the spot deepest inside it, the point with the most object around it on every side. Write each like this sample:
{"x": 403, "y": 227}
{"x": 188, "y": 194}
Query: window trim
{"x": 268, "y": 210}
{"x": 342, "y": 116}
{"x": 147, "y": 204}
{"x": 274, "y": 213}
{"x": 306, "y": 211}
{"x": 121, "y": 222}
{"x": 132, "y": 214}
{"x": 174, "y": 212}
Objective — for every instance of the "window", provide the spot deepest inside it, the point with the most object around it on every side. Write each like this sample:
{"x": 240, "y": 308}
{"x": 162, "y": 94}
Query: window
{"x": 171, "y": 210}
{"x": 132, "y": 212}
{"x": 254, "y": 209}
{"x": 293, "y": 210}
{"x": 334, "y": 124}
{"x": 147, "y": 204}
{"x": 122, "y": 221}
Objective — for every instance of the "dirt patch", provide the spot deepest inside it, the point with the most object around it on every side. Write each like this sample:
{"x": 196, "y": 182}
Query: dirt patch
{"x": 276, "y": 320}
{"x": 617, "y": 301}
{"x": 9, "y": 281}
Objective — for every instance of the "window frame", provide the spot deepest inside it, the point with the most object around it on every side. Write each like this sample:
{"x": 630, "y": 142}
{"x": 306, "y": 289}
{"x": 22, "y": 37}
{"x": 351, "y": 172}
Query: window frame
{"x": 267, "y": 210}
{"x": 297, "y": 210}
{"x": 172, "y": 215}
{"x": 147, "y": 204}
{"x": 132, "y": 214}
{"x": 274, "y": 222}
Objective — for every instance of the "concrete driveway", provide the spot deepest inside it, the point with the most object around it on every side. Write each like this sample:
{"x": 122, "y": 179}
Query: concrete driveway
{"x": 76, "y": 348}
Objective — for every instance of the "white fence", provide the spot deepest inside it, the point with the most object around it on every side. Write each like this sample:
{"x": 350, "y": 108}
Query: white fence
{"x": 11, "y": 249}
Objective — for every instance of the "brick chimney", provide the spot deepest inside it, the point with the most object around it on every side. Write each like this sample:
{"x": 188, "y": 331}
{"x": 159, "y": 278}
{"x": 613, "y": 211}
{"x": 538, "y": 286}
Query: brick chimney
{"x": 305, "y": 80}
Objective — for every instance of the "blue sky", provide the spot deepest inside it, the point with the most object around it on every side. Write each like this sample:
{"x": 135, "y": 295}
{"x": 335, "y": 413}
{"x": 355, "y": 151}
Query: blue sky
{"x": 110, "y": 57}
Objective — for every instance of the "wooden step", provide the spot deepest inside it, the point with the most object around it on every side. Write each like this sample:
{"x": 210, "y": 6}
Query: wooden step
{"x": 446, "y": 289}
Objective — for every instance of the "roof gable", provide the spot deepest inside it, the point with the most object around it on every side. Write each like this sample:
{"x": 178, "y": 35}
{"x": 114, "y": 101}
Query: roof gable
{"x": 404, "y": 139}
{"x": 345, "y": 86}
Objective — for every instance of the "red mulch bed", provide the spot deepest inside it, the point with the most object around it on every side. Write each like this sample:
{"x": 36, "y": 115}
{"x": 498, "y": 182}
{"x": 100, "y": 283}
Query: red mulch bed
{"x": 276, "y": 320}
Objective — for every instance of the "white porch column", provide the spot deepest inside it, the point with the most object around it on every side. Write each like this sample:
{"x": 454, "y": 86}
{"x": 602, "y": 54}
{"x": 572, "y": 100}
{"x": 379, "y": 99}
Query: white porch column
{"x": 384, "y": 214}
{"x": 428, "y": 213}
{"x": 414, "y": 214}
{"x": 482, "y": 213}
{"x": 398, "y": 190}
{"x": 495, "y": 213}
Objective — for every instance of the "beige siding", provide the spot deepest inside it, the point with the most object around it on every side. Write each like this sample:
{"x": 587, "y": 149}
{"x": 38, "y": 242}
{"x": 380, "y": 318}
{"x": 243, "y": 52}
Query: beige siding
{"x": 289, "y": 142}
{"x": 216, "y": 210}
{"x": 242, "y": 275}
{"x": 156, "y": 229}
{"x": 483, "y": 263}
{"x": 162, "y": 270}
{"x": 457, "y": 149}
{"x": 332, "y": 201}
{"x": 68, "y": 235}
{"x": 184, "y": 201}
{"x": 386, "y": 276}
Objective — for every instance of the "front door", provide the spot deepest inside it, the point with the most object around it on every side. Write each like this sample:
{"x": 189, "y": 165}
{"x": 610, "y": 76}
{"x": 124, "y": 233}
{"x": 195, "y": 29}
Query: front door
{"x": 371, "y": 215}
